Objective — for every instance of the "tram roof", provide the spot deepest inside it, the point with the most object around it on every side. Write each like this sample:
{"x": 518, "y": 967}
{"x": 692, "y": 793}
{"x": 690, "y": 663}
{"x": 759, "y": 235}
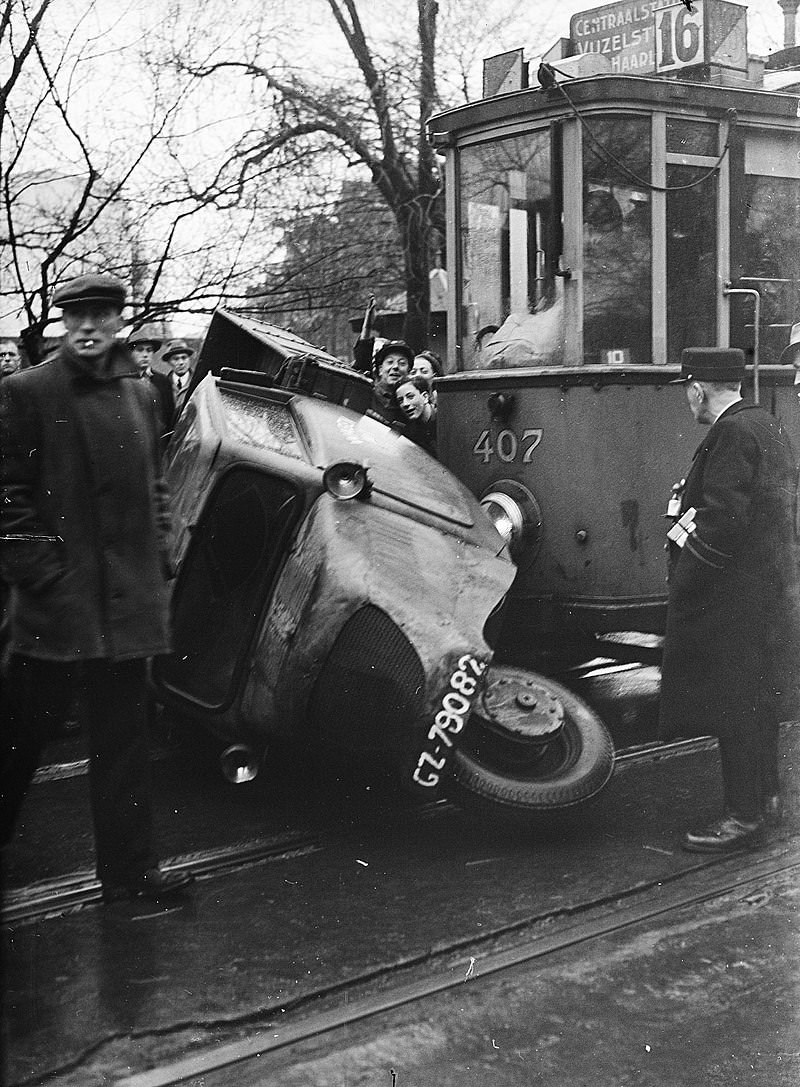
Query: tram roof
{"x": 614, "y": 91}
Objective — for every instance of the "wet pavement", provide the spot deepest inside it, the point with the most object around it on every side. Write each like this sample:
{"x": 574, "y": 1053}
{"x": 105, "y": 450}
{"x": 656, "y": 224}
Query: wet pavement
{"x": 711, "y": 998}
{"x": 105, "y": 992}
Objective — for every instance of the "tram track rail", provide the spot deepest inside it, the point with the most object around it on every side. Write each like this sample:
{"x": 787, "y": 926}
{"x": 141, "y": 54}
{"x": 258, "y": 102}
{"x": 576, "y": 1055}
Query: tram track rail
{"x": 253, "y": 1041}
{"x": 79, "y": 889}
{"x": 353, "y": 1001}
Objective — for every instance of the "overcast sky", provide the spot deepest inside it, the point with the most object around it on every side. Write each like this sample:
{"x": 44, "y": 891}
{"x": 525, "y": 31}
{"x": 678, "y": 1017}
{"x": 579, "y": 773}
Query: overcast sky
{"x": 114, "y": 31}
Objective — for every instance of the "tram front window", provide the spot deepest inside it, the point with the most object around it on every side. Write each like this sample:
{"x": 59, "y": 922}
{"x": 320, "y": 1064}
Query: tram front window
{"x": 765, "y": 241}
{"x": 508, "y": 255}
{"x": 616, "y": 241}
{"x": 691, "y": 259}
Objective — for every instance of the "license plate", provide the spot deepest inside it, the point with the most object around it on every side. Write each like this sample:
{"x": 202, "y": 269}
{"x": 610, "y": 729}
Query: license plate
{"x": 453, "y": 713}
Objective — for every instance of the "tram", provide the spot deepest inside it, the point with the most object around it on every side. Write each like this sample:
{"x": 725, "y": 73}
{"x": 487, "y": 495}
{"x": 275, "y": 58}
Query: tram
{"x": 598, "y": 223}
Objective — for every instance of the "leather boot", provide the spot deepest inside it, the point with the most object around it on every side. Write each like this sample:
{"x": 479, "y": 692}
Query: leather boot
{"x": 772, "y": 810}
{"x": 726, "y": 835}
{"x": 155, "y": 884}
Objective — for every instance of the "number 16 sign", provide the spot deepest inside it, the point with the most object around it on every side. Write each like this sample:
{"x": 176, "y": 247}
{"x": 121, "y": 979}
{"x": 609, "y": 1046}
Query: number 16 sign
{"x": 703, "y": 32}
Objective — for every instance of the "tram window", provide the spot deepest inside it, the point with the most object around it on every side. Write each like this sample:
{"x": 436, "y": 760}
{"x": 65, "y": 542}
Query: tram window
{"x": 617, "y": 241}
{"x": 765, "y": 241}
{"x": 508, "y": 254}
{"x": 691, "y": 137}
{"x": 691, "y": 259}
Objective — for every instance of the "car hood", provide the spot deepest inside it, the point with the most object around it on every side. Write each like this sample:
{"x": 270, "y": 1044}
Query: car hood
{"x": 396, "y": 467}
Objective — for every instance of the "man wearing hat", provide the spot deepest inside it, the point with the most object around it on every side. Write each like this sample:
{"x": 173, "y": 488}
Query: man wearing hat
{"x": 388, "y": 365}
{"x": 392, "y": 363}
{"x": 732, "y": 641}
{"x": 84, "y": 528}
{"x": 144, "y": 343}
{"x": 179, "y": 355}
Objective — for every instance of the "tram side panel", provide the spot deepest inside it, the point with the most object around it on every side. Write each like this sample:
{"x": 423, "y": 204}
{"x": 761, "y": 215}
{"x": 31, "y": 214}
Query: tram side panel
{"x": 600, "y": 458}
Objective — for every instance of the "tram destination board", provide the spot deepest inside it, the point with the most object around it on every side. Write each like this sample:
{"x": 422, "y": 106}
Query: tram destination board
{"x": 642, "y": 37}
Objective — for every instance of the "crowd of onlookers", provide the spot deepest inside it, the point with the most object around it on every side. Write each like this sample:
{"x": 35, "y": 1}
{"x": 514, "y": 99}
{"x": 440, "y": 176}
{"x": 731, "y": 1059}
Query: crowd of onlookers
{"x": 169, "y": 389}
{"x": 403, "y": 394}
{"x": 87, "y": 582}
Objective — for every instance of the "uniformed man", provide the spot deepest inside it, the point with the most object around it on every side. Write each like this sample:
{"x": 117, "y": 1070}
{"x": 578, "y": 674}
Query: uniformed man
{"x": 84, "y": 549}
{"x": 732, "y": 643}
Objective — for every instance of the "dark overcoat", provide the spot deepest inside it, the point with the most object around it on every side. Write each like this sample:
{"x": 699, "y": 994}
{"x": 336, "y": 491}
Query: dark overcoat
{"x": 80, "y": 461}
{"x": 733, "y": 617}
{"x": 164, "y": 399}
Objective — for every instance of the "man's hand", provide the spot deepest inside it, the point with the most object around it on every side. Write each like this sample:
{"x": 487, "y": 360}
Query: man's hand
{"x": 369, "y": 318}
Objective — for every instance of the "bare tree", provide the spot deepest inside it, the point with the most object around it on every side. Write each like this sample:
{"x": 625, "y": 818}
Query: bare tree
{"x": 52, "y": 203}
{"x": 90, "y": 180}
{"x": 186, "y": 177}
{"x": 368, "y": 122}
{"x": 365, "y": 94}
{"x": 335, "y": 254}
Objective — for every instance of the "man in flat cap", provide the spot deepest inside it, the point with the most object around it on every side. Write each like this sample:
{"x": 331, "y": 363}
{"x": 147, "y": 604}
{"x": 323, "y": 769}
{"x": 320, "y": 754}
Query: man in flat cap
{"x": 732, "y": 642}
{"x": 84, "y": 524}
{"x": 144, "y": 343}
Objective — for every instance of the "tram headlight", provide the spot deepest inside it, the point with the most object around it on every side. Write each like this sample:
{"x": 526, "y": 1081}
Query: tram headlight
{"x": 516, "y": 515}
{"x": 505, "y": 515}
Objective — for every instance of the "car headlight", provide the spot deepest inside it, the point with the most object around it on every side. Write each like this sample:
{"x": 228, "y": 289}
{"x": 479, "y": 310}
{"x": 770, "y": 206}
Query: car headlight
{"x": 347, "y": 480}
{"x": 516, "y": 515}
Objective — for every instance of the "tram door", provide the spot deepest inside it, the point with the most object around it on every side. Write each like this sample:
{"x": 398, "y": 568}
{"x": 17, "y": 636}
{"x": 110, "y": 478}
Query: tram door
{"x": 691, "y": 239}
{"x": 765, "y": 239}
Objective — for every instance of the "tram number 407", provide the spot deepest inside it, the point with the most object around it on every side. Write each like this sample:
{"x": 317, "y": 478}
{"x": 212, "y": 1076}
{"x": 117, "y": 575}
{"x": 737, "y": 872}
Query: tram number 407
{"x": 507, "y": 445}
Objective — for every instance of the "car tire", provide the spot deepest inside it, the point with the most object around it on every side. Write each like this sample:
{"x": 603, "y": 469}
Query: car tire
{"x": 543, "y": 779}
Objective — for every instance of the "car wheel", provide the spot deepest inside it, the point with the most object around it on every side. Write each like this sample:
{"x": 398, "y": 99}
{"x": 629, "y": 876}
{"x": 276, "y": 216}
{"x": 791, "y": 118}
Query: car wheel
{"x": 532, "y": 747}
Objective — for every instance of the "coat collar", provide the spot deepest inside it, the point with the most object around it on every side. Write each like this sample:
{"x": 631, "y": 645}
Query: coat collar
{"x": 120, "y": 363}
{"x": 732, "y": 409}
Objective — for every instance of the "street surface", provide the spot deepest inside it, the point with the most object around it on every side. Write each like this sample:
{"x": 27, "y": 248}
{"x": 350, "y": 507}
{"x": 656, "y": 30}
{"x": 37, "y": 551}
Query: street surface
{"x": 376, "y": 894}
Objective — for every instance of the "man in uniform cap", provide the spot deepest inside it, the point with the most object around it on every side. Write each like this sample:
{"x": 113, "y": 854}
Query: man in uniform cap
{"x": 732, "y": 641}
{"x": 144, "y": 343}
{"x": 179, "y": 355}
{"x": 84, "y": 529}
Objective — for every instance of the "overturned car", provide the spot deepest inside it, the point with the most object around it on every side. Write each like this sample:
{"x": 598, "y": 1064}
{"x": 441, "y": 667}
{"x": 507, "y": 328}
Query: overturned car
{"x": 338, "y": 588}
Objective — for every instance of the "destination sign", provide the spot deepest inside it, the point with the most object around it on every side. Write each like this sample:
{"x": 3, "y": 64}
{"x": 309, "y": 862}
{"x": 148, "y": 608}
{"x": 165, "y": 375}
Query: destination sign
{"x": 623, "y": 32}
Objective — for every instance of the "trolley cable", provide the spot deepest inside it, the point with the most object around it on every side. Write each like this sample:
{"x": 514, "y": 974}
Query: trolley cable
{"x": 551, "y": 82}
